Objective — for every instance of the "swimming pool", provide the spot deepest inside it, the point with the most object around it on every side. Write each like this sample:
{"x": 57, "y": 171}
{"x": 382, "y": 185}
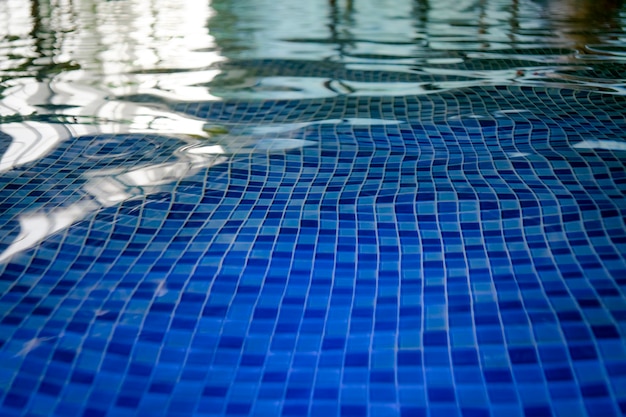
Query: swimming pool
{"x": 348, "y": 208}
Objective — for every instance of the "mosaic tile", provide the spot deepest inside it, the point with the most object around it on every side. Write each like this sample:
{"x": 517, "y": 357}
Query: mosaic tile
{"x": 422, "y": 255}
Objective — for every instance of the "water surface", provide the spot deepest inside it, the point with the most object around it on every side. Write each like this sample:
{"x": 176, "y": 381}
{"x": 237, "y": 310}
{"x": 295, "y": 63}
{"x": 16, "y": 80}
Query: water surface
{"x": 348, "y": 207}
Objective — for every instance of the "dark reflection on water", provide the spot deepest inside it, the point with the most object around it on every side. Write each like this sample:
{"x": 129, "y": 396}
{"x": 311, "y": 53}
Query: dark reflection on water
{"x": 585, "y": 22}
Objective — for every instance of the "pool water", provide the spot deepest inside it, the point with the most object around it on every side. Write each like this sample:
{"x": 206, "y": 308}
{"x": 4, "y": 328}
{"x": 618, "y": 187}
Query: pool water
{"x": 323, "y": 208}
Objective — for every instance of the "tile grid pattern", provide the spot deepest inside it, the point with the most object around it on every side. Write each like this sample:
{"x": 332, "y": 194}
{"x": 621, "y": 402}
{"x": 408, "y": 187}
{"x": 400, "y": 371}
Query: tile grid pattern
{"x": 467, "y": 262}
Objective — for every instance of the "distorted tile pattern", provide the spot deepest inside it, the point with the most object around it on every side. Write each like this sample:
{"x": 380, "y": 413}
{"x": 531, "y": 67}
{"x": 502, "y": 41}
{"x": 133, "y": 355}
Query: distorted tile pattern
{"x": 459, "y": 254}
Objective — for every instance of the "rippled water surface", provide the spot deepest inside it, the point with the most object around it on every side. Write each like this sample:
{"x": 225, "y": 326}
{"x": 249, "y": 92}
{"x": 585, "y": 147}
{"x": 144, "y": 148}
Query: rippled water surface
{"x": 334, "y": 208}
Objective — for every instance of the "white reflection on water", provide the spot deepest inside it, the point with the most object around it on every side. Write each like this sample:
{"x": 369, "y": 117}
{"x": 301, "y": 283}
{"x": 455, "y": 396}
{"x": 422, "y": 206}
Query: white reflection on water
{"x": 83, "y": 110}
{"x": 101, "y": 188}
{"x": 61, "y": 63}
{"x": 609, "y": 145}
{"x": 108, "y": 187}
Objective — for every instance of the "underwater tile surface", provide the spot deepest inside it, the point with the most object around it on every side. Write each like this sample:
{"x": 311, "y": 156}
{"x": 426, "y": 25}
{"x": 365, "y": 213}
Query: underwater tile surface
{"x": 459, "y": 254}
{"x": 368, "y": 208}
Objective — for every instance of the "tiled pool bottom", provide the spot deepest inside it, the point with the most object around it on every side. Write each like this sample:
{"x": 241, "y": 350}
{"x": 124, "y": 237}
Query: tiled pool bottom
{"x": 460, "y": 254}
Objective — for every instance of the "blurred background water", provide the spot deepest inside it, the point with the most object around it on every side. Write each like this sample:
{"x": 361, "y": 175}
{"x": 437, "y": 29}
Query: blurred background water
{"x": 183, "y": 50}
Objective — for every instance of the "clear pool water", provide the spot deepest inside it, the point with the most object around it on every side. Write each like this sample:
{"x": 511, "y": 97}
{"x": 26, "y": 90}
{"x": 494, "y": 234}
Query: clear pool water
{"x": 325, "y": 208}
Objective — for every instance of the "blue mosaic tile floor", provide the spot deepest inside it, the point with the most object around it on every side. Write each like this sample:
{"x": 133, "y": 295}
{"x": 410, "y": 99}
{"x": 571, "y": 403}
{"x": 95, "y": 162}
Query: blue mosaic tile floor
{"x": 454, "y": 254}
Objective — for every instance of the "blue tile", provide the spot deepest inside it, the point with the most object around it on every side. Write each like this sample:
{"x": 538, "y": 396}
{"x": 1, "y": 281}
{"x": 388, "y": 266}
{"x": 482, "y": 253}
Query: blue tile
{"x": 410, "y": 270}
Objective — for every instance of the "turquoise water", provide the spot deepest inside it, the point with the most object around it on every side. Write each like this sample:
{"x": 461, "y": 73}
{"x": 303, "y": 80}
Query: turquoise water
{"x": 348, "y": 208}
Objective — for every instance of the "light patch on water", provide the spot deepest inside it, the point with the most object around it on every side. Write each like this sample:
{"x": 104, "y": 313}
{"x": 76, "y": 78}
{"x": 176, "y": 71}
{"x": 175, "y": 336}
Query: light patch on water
{"x": 32, "y": 344}
{"x": 544, "y": 59}
{"x": 386, "y": 89}
{"x": 494, "y": 75}
{"x": 362, "y": 121}
{"x": 281, "y": 144}
{"x": 31, "y": 141}
{"x": 352, "y": 121}
{"x": 609, "y": 145}
{"x": 518, "y": 154}
{"x": 204, "y": 150}
{"x": 105, "y": 188}
{"x": 161, "y": 289}
{"x": 380, "y": 67}
{"x": 448, "y": 61}
{"x": 279, "y": 87}
{"x": 78, "y": 110}
{"x": 35, "y": 227}
{"x": 615, "y": 51}
{"x": 504, "y": 113}
{"x": 232, "y": 145}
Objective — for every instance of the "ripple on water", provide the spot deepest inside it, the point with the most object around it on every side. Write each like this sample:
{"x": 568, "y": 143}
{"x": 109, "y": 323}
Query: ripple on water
{"x": 613, "y": 51}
